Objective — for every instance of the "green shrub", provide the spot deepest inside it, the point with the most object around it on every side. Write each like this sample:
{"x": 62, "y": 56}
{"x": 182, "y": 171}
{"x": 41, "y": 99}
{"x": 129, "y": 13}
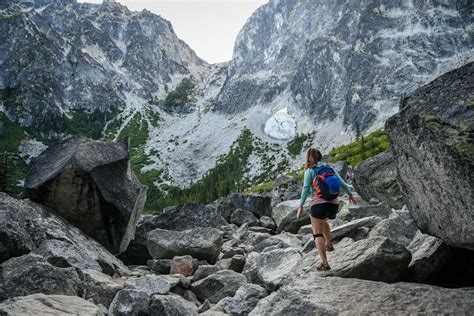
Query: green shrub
{"x": 181, "y": 95}
{"x": 366, "y": 147}
{"x": 295, "y": 146}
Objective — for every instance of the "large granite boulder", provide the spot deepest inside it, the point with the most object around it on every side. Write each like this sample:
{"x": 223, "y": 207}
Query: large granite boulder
{"x": 30, "y": 274}
{"x": 271, "y": 268}
{"x": 26, "y": 227}
{"x": 258, "y": 204}
{"x": 240, "y": 217}
{"x": 41, "y": 304}
{"x": 203, "y": 243}
{"x": 284, "y": 215}
{"x": 90, "y": 184}
{"x": 432, "y": 141}
{"x": 376, "y": 177}
{"x": 399, "y": 227}
{"x": 180, "y": 217}
{"x": 219, "y": 285}
{"x": 311, "y": 294}
{"x": 377, "y": 259}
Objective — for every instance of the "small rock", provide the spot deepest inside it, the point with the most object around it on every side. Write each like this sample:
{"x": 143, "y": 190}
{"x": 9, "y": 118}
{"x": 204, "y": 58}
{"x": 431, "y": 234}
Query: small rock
{"x": 152, "y": 284}
{"x": 182, "y": 265}
{"x": 204, "y": 307}
{"x": 162, "y": 266}
{"x": 237, "y": 263}
{"x": 349, "y": 228}
{"x": 267, "y": 222}
{"x": 100, "y": 287}
{"x": 306, "y": 229}
{"x": 130, "y": 302}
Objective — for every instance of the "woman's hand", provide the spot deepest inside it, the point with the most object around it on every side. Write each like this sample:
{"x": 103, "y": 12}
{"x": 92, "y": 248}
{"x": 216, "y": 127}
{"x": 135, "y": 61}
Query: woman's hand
{"x": 352, "y": 199}
{"x": 299, "y": 210}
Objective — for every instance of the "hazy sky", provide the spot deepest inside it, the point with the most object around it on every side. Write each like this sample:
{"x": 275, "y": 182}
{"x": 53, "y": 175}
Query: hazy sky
{"x": 208, "y": 26}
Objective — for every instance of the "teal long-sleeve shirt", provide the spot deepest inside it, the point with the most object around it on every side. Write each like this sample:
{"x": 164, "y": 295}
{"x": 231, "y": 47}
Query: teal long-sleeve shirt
{"x": 308, "y": 179}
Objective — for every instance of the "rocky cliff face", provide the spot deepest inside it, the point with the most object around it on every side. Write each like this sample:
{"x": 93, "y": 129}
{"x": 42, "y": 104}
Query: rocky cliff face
{"x": 61, "y": 56}
{"x": 347, "y": 62}
{"x": 432, "y": 141}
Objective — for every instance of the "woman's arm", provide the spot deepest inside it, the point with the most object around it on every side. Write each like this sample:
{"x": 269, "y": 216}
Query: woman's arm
{"x": 306, "y": 186}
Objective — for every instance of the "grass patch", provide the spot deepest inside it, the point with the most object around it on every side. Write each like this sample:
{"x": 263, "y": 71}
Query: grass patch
{"x": 181, "y": 95}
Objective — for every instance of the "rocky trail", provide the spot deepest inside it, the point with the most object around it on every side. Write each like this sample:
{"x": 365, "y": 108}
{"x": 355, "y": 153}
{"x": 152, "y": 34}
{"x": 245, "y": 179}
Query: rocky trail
{"x": 80, "y": 245}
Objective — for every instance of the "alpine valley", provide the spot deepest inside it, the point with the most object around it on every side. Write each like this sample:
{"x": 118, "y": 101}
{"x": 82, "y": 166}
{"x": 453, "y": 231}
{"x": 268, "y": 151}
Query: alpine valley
{"x": 303, "y": 72}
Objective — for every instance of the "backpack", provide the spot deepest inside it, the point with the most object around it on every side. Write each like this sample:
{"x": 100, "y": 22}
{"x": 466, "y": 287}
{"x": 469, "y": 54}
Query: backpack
{"x": 326, "y": 182}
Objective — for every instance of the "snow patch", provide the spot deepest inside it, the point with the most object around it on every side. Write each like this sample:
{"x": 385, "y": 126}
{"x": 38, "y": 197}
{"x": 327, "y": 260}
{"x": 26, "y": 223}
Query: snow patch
{"x": 281, "y": 125}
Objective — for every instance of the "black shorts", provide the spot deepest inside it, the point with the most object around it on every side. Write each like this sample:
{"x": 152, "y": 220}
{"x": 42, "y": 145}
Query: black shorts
{"x": 325, "y": 210}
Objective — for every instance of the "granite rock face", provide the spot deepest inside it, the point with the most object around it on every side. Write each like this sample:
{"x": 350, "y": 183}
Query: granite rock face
{"x": 66, "y": 56}
{"x": 27, "y": 227}
{"x": 41, "y": 304}
{"x": 432, "y": 144}
{"x": 96, "y": 175}
{"x": 309, "y": 55}
{"x": 312, "y": 294}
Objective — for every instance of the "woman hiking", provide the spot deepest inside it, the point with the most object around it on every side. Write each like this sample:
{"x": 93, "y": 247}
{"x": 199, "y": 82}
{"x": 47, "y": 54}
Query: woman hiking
{"x": 324, "y": 182}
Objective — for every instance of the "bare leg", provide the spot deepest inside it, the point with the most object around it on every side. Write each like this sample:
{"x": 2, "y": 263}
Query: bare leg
{"x": 318, "y": 229}
{"x": 327, "y": 233}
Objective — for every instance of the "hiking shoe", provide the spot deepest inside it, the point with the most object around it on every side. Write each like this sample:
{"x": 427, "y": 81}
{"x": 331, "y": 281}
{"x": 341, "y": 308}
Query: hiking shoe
{"x": 323, "y": 267}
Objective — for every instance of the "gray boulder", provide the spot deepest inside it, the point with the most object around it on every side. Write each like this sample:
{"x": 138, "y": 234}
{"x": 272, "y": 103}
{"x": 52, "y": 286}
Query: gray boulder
{"x": 179, "y": 218}
{"x": 349, "y": 229}
{"x": 381, "y": 210}
{"x": 258, "y": 204}
{"x": 152, "y": 284}
{"x": 162, "y": 266}
{"x": 202, "y": 243}
{"x": 342, "y": 168}
{"x": 96, "y": 175}
{"x": 377, "y": 259}
{"x": 130, "y": 302}
{"x": 26, "y": 226}
{"x": 429, "y": 255}
{"x": 205, "y": 271}
{"x": 99, "y": 287}
{"x": 399, "y": 227}
{"x": 30, "y": 274}
{"x": 267, "y": 222}
{"x": 240, "y": 217}
{"x": 243, "y": 302}
{"x": 171, "y": 305}
{"x": 272, "y": 268}
{"x": 221, "y": 284}
{"x": 283, "y": 240}
{"x": 41, "y": 304}
{"x": 432, "y": 142}
{"x": 376, "y": 177}
{"x": 311, "y": 294}
{"x": 284, "y": 215}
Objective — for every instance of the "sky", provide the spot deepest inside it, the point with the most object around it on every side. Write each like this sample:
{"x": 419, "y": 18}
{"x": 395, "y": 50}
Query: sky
{"x": 209, "y": 27}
